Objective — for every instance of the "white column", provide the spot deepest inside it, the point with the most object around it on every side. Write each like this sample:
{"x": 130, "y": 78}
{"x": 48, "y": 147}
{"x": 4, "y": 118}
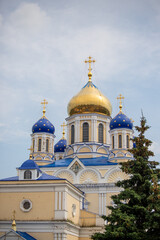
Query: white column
{"x": 60, "y": 201}
{"x": 36, "y": 143}
{"x": 43, "y": 148}
{"x": 108, "y": 140}
{"x": 59, "y": 236}
{"x": 100, "y": 213}
{"x": 92, "y": 130}
{"x": 124, "y": 139}
{"x": 116, "y": 140}
{"x": 56, "y": 199}
{"x": 105, "y": 207}
{"x": 78, "y": 130}
{"x": 130, "y": 141}
{"x": 64, "y": 236}
{"x": 102, "y": 203}
{"x": 75, "y": 130}
{"x": 68, "y": 140}
{"x": 95, "y": 130}
{"x": 50, "y": 144}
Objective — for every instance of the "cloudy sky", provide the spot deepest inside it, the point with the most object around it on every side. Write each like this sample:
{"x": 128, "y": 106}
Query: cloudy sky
{"x": 43, "y": 45}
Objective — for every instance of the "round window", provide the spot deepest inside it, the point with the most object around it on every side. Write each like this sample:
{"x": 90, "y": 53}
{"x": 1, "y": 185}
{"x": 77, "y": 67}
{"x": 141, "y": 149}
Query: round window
{"x": 26, "y": 205}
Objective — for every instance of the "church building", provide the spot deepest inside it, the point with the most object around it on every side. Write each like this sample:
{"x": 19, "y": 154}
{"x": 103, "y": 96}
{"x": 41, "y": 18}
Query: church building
{"x": 65, "y": 186}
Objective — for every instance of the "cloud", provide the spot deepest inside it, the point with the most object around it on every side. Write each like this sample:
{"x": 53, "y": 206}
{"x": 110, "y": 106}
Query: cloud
{"x": 155, "y": 147}
{"x": 35, "y": 43}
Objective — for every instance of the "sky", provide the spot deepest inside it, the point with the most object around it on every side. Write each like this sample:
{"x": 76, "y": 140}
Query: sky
{"x": 43, "y": 46}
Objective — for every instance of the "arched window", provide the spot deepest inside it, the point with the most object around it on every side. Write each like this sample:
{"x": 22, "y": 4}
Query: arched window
{"x": 127, "y": 140}
{"x": 120, "y": 141}
{"x": 72, "y": 134}
{"x": 85, "y": 132}
{"x": 112, "y": 142}
{"x": 33, "y": 144}
{"x": 27, "y": 174}
{"x": 39, "y": 144}
{"x": 100, "y": 133}
{"x": 47, "y": 145}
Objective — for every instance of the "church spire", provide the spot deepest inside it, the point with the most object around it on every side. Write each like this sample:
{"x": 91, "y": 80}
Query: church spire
{"x": 89, "y": 73}
{"x": 120, "y": 97}
{"x": 44, "y": 102}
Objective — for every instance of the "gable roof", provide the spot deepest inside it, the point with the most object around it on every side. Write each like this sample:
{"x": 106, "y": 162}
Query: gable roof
{"x": 25, "y": 235}
{"x": 19, "y": 234}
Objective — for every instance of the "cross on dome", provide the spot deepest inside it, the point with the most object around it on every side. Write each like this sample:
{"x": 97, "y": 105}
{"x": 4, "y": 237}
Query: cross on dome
{"x": 89, "y": 61}
{"x": 31, "y": 151}
{"x": 120, "y": 97}
{"x": 63, "y": 126}
{"x": 44, "y": 102}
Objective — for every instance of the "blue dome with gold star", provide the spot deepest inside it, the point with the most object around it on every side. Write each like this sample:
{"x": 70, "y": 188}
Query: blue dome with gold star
{"x": 60, "y": 146}
{"x": 121, "y": 121}
{"x": 43, "y": 125}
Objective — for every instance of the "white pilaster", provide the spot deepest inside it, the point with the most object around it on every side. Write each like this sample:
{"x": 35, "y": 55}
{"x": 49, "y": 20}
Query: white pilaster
{"x": 60, "y": 201}
{"x": 100, "y": 206}
{"x": 124, "y": 139}
{"x": 36, "y": 143}
{"x": 116, "y": 140}
{"x": 105, "y": 201}
{"x": 56, "y": 199}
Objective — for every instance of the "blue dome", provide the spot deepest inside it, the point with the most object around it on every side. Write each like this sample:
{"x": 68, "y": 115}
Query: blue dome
{"x": 121, "y": 121}
{"x": 43, "y": 125}
{"x": 60, "y": 146}
{"x": 29, "y": 164}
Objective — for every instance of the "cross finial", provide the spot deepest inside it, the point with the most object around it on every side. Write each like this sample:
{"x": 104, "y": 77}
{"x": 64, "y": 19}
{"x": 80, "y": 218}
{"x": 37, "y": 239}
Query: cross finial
{"x": 31, "y": 151}
{"x": 14, "y": 222}
{"x": 89, "y": 61}
{"x": 120, "y": 97}
{"x": 44, "y": 102}
{"x": 63, "y": 126}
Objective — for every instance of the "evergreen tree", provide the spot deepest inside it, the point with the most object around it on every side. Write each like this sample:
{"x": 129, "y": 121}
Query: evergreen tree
{"x": 136, "y": 211}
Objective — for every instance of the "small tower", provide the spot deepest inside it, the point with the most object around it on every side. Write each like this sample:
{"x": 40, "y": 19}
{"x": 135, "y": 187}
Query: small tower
{"x": 60, "y": 146}
{"x": 42, "y": 139}
{"x": 121, "y": 132}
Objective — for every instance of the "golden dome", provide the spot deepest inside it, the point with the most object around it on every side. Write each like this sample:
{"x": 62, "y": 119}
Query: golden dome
{"x": 89, "y": 100}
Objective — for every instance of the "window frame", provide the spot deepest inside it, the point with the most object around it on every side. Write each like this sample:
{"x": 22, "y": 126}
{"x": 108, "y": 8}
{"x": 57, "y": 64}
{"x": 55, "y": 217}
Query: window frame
{"x": 100, "y": 133}
{"x": 72, "y": 134}
{"x": 85, "y": 132}
{"x": 27, "y": 174}
{"x": 119, "y": 140}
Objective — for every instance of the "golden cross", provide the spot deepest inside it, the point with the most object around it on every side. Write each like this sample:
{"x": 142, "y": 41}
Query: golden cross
{"x": 31, "y": 148}
{"x": 31, "y": 151}
{"x": 90, "y": 61}
{"x": 63, "y": 125}
{"x": 44, "y": 102}
{"x": 120, "y": 101}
